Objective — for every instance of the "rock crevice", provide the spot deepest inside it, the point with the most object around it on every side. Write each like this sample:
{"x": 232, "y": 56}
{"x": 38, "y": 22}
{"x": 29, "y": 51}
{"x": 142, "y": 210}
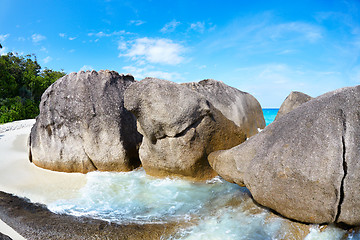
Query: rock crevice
{"x": 344, "y": 165}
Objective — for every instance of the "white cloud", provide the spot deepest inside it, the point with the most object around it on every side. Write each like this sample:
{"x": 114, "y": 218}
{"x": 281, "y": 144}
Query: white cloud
{"x": 43, "y": 49}
{"x": 47, "y": 59}
{"x": 72, "y": 38}
{"x": 37, "y": 38}
{"x": 263, "y": 33}
{"x": 311, "y": 33}
{"x": 102, "y": 34}
{"x": 86, "y": 68}
{"x": 149, "y": 71}
{"x": 170, "y": 26}
{"x": 3, "y": 37}
{"x": 202, "y": 66}
{"x": 198, "y": 26}
{"x": 3, "y": 51}
{"x": 122, "y": 45}
{"x": 163, "y": 51}
{"x": 271, "y": 83}
{"x": 21, "y": 39}
{"x": 137, "y": 22}
{"x": 62, "y": 35}
{"x": 287, "y": 51}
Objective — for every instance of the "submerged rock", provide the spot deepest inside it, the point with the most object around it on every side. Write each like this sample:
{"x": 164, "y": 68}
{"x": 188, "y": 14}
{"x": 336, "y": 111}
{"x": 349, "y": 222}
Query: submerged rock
{"x": 292, "y": 101}
{"x": 180, "y": 128}
{"x": 240, "y": 107}
{"x": 306, "y": 164}
{"x": 83, "y": 125}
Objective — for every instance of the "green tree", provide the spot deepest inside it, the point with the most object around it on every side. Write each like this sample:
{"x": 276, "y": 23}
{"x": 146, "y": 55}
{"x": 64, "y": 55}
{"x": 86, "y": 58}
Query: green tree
{"x": 22, "y": 82}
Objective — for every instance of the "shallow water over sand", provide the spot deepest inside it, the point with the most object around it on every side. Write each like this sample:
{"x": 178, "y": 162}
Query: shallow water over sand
{"x": 216, "y": 209}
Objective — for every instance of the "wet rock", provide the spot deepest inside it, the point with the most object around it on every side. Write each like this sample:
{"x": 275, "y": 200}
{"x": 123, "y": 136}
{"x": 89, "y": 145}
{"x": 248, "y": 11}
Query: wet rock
{"x": 240, "y": 107}
{"x": 180, "y": 128}
{"x": 83, "y": 125}
{"x": 34, "y": 221}
{"x": 292, "y": 101}
{"x": 306, "y": 164}
{"x": 4, "y": 237}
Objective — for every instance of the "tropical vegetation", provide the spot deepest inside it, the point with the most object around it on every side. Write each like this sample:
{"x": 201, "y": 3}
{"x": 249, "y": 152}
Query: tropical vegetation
{"x": 22, "y": 82}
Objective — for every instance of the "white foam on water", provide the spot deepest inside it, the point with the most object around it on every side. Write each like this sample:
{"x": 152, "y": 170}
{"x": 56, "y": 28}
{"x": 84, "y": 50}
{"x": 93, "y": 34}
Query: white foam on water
{"x": 232, "y": 223}
{"x": 136, "y": 197}
{"x": 331, "y": 232}
{"x": 217, "y": 209}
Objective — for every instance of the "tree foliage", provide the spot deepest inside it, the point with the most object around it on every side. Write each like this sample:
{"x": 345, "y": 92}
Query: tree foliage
{"x": 22, "y": 82}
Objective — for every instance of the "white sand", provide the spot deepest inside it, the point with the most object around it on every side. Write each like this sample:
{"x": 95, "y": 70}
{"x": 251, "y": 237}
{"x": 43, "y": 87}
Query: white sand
{"x": 22, "y": 178}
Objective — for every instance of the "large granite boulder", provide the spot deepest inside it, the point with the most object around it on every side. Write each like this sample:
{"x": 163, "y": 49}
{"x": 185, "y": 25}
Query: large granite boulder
{"x": 292, "y": 101}
{"x": 305, "y": 165}
{"x": 83, "y": 125}
{"x": 180, "y": 128}
{"x": 240, "y": 107}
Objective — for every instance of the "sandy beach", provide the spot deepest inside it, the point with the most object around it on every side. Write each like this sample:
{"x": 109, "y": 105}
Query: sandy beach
{"x": 21, "y": 178}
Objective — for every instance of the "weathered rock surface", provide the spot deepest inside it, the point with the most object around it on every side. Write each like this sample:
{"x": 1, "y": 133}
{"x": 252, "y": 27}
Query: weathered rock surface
{"x": 306, "y": 164}
{"x": 180, "y": 128}
{"x": 35, "y": 221}
{"x": 240, "y": 107}
{"x": 292, "y": 101}
{"x": 83, "y": 125}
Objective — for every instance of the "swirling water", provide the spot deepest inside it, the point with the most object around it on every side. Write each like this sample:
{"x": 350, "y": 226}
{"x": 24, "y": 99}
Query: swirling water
{"x": 216, "y": 209}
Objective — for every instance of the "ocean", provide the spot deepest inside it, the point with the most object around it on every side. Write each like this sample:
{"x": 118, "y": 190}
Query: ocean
{"x": 270, "y": 114}
{"x": 216, "y": 209}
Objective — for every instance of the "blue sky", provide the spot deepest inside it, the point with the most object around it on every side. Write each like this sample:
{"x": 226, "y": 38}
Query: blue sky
{"x": 266, "y": 48}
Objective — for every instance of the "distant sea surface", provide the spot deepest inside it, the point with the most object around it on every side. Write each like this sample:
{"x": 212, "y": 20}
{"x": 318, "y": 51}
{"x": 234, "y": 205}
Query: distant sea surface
{"x": 270, "y": 114}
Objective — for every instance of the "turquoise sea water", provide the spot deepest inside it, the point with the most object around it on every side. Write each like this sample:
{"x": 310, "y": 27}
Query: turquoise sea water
{"x": 270, "y": 114}
{"x": 218, "y": 209}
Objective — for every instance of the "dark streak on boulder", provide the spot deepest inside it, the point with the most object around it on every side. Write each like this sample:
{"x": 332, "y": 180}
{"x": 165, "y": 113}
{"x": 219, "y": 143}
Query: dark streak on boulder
{"x": 305, "y": 165}
{"x": 83, "y": 125}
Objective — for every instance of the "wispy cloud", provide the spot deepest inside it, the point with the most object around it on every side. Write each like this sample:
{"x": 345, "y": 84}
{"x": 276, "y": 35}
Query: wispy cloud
{"x": 3, "y": 50}
{"x": 102, "y": 34}
{"x": 3, "y": 37}
{"x": 43, "y": 49}
{"x": 150, "y": 71}
{"x": 72, "y": 38}
{"x": 47, "y": 59}
{"x": 136, "y": 22}
{"x": 37, "y": 38}
{"x": 86, "y": 68}
{"x": 152, "y": 50}
{"x": 170, "y": 26}
{"x": 283, "y": 78}
{"x": 287, "y": 51}
{"x": 63, "y": 35}
{"x": 198, "y": 26}
{"x": 264, "y": 32}
{"x": 309, "y": 32}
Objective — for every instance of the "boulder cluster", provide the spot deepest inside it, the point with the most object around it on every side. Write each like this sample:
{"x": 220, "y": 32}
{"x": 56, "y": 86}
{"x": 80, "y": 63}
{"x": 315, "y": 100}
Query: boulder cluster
{"x": 305, "y": 165}
{"x": 109, "y": 122}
